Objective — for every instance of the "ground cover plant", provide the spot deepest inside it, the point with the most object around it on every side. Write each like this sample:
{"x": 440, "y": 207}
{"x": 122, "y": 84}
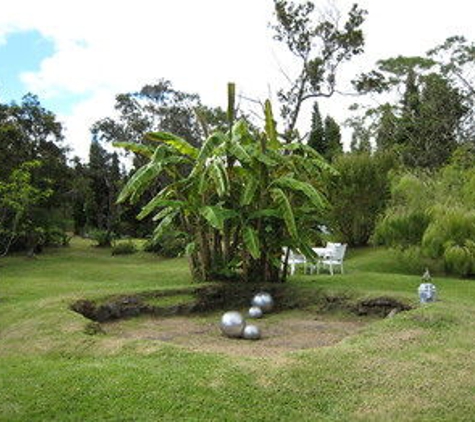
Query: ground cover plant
{"x": 418, "y": 365}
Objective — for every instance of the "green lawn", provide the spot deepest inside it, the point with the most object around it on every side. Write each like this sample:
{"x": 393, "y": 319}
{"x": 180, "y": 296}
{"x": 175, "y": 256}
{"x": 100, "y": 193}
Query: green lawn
{"x": 419, "y": 365}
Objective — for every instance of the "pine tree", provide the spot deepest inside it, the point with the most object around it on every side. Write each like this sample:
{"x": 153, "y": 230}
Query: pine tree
{"x": 332, "y": 135}
{"x": 317, "y": 132}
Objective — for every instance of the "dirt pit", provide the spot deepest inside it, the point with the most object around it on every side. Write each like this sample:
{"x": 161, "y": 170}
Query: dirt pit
{"x": 282, "y": 333}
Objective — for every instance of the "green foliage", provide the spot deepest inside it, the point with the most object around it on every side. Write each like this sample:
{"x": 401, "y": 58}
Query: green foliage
{"x": 56, "y": 236}
{"x": 433, "y": 213}
{"x": 171, "y": 244}
{"x": 102, "y": 238}
{"x": 460, "y": 259}
{"x": 124, "y": 248}
{"x": 325, "y": 136}
{"x": 242, "y": 196}
{"x": 358, "y": 195}
{"x": 18, "y": 200}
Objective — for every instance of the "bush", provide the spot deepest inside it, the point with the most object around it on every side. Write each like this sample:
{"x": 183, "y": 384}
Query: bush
{"x": 413, "y": 261}
{"x": 169, "y": 245}
{"x": 433, "y": 213}
{"x": 358, "y": 195}
{"x": 401, "y": 228}
{"x": 460, "y": 260}
{"x": 56, "y": 236}
{"x": 103, "y": 238}
{"x": 124, "y": 248}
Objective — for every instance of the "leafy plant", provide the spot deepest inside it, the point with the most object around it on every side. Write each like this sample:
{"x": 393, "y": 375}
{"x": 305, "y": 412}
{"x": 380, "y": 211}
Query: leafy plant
{"x": 124, "y": 248}
{"x": 103, "y": 238}
{"x": 434, "y": 214}
{"x": 170, "y": 245}
{"x": 239, "y": 198}
{"x": 358, "y": 193}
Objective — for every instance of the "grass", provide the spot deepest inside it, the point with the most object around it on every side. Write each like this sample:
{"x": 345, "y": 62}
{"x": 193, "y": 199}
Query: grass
{"x": 417, "y": 366}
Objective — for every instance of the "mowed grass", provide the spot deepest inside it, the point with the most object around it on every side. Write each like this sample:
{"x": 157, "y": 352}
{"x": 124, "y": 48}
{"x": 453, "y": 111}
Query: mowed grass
{"x": 419, "y": 365}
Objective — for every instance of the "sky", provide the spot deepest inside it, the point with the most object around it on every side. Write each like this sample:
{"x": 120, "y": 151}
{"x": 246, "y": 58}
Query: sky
{"x": 78, "y": 55}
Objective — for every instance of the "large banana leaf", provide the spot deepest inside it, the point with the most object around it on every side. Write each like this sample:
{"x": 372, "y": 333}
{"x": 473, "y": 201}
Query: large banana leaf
{"x": 249, "y": 191}
{"x": 212, "y": 142}
{"x": 251, "y": 241}
{"x": 176, "y": 142}
{"x": 163, "y": 213}
{"x": 144, "y": 150}
{"x": 158, "y": 201}
{"x": 139, "y": 182}
{"x": 163, "y": 225}
{"x": 220, "y": 177}
{"x": 285, "y": 208}
{"x": 216, "y": 215}
{"x": 240, "y": 133}
{"x": 306, "y": 188}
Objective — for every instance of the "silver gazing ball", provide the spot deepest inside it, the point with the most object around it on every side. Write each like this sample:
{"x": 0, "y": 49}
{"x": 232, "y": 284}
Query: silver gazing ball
{"x": 264, "y": 301}
{"x": 232, "y": 324}
{"x": 251, "y": 332}
{"x": 255, "y": 312}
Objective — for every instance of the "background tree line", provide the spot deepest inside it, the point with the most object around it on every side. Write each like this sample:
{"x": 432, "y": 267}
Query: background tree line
{"x": 421, "y": 124}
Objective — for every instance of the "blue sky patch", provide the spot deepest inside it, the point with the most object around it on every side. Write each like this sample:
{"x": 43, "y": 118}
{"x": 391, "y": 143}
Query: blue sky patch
{"x": 22, "y": 52}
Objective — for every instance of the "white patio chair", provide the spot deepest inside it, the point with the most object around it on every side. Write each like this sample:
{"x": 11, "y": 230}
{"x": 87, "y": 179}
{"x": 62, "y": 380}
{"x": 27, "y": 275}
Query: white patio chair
{"x": 294, "y": 260}
{"x": 335, "y": 257}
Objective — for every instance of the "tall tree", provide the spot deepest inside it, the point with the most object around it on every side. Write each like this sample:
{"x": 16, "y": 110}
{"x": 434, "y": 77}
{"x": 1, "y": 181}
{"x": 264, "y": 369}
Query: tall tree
{"x": 105, "y": 181}
{"x": 332, "y": 135}
{"x": 424, "y": 126}
{"x": 320, "y": 48}
{"x": 316, "y": 138}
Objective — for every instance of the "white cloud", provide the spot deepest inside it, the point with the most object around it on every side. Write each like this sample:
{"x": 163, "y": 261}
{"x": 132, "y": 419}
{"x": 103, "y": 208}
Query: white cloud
{"x": 106, "y": 47}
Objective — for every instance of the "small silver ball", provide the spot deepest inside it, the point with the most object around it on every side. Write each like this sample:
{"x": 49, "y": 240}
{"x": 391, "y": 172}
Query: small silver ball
{"x": 255, "y": 312}
{"x": 232, "y": 324}
{"x": 264, "y": 301}
{"x": 251, "y": 332}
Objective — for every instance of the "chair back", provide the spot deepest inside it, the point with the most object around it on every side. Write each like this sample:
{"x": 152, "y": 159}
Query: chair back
{"x": 339, "y": 252}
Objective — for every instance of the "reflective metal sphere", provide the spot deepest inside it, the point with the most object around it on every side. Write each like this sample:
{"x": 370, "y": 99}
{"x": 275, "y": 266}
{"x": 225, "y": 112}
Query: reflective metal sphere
{"x": 251, "y": 332}
{"x": 255, "y": 312}
{"x": 232, "y": 324}
{"x": 263, "y": 301}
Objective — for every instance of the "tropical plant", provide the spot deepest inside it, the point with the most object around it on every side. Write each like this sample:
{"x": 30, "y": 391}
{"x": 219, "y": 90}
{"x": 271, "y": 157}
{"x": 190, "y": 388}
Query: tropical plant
{"x": 239, "y": 198}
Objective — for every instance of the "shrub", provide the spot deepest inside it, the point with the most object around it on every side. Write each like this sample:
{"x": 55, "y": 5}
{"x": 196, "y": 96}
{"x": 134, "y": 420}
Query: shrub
{"x": 459, "y": 259}
{"x": 358, "y": 195}
{"x": 433, "y": 212}
{"x": 170, "y": 245}
{"x": 124, "y": 248}
{"x": 401, "y": 228}
{"x": 56, "y": 236}
{"x": 103, "y": 238}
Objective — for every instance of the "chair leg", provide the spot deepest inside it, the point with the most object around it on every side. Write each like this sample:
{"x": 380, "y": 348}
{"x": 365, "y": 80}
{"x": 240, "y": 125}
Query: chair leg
{"x": 331, "y": 268}
{"x": 341, "y": 266}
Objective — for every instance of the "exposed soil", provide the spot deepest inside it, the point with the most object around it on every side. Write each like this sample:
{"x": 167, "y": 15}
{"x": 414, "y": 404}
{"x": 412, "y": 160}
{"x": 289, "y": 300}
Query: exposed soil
{"x": 282, "y": 333}
{"x": 301, "y": 318}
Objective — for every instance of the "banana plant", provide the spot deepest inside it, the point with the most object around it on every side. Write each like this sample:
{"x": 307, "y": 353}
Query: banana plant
{"x": 240, "y": 197}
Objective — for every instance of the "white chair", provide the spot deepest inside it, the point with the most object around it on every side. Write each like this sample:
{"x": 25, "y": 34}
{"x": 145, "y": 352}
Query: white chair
{"x": 335, "y": 257}
{"x": 294, "y": 260}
